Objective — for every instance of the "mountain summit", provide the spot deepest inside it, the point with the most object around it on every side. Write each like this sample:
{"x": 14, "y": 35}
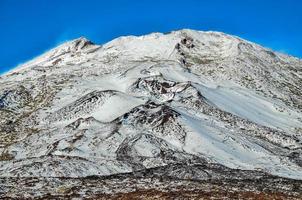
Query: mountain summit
{"x": 189, "y": 108}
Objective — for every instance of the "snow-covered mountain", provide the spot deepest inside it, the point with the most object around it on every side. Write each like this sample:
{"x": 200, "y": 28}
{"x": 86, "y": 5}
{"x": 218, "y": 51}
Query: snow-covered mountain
{"x": 189, "y": 105}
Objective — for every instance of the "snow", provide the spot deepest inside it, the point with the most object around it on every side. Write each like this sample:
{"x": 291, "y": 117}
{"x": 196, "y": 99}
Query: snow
{"x": 115, "y": 107}
{"x": 90, "y": 132}
{"x": 220, "y": 145}
{"x": 251, "y": 106}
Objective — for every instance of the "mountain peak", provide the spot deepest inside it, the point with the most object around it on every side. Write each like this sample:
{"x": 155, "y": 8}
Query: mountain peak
{"x": 82, "y": 40}
{"x": 76, "y": 44}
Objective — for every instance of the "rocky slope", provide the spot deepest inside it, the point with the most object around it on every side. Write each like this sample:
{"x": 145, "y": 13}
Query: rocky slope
{"x": 188, "y": 105}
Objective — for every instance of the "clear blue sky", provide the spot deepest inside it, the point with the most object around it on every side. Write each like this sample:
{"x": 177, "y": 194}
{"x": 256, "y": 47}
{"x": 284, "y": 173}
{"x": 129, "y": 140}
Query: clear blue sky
{"x": 29, "y": 28}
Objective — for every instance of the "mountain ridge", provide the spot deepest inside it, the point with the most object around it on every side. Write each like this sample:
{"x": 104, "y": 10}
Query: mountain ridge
{"x": 83, "y": 38}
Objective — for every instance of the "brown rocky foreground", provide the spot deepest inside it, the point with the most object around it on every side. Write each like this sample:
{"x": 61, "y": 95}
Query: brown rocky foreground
{"x": 148, "y": 188}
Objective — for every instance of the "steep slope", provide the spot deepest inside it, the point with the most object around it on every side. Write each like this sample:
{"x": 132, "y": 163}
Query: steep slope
{"x": 194, "y": 105}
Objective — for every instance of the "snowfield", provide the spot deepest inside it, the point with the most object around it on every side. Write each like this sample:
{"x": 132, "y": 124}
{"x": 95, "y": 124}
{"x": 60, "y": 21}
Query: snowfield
{"x": 136, "y": 103}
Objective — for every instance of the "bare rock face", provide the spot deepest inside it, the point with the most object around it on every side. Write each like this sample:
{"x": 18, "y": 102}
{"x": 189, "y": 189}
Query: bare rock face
{"x": 189, "y": 110}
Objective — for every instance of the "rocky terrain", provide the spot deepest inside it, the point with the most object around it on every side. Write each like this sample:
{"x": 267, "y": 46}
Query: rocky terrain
{"x": 187, "y": 114}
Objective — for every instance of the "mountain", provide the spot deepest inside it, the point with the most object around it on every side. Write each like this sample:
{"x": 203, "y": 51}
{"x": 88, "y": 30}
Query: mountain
{"x": 185, "y": 113}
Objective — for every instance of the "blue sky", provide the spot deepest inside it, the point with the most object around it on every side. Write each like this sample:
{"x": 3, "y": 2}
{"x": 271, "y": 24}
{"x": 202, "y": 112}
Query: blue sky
{"x": 29, "y": 28}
